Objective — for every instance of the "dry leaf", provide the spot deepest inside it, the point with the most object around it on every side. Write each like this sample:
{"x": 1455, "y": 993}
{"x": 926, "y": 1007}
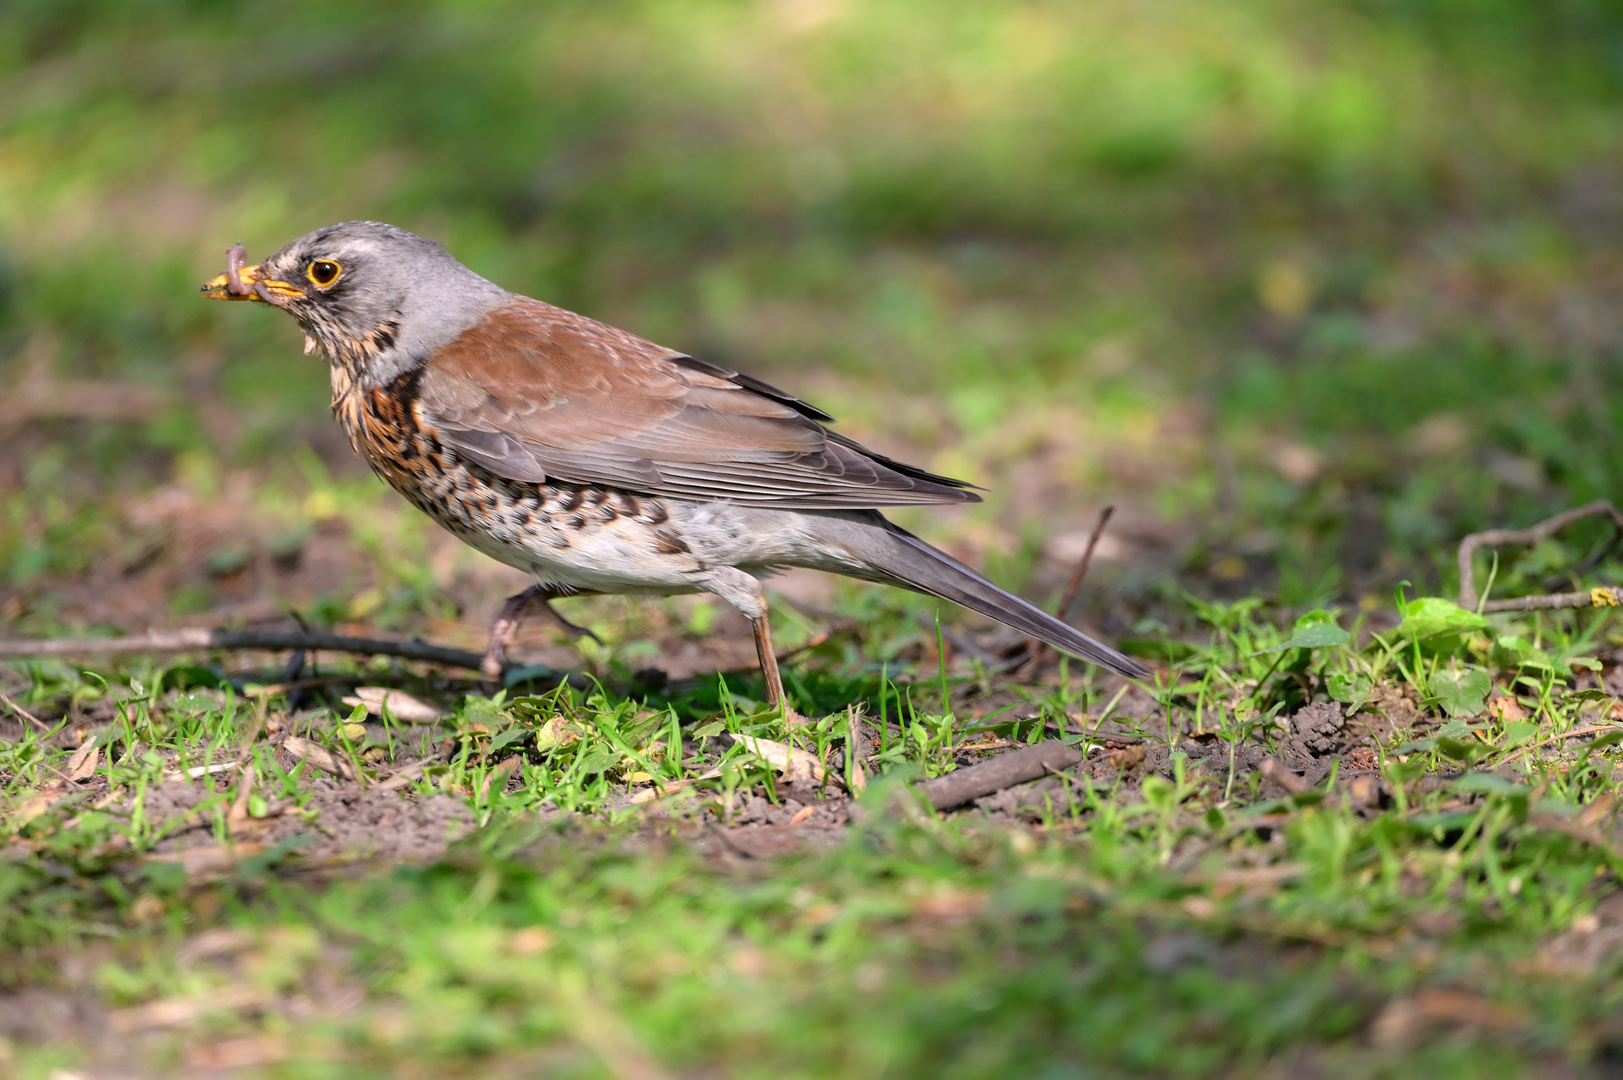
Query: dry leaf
{"x": 670, "y": 787}
{"x": 1127, "y": 758}
{"x": 318, "y": 757}
{"x": 555, "y": 732}
{"x": 497, "y": 777}
{"x": 402, "y": 776}
{"x": 402, "y": 706}
{"x": 82, "y": 764}
{"x": 1506, "y": 708}
{"x": 796, "y": 765}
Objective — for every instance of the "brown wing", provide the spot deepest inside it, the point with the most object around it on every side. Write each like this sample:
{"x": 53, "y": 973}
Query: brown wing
{"x": 538, "y": 393}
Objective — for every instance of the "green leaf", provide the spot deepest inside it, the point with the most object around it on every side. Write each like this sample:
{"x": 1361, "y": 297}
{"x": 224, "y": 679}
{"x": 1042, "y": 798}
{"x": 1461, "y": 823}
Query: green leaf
{"x": 1458, "y": 749}
{"x": 1487, "y": 783}
{"x": 1518, "y": 732}
{"x": 1461, "y": 693}
{"x": 1347, "y": 686}
{"x": 1313, "y": 635}
{"x": 1431, "y": 616}
{"x": 512, "y": 734}
{"x": 600, "y": 760}
{"x": 710, "y": 730}
{"x": 1514, "y": 653}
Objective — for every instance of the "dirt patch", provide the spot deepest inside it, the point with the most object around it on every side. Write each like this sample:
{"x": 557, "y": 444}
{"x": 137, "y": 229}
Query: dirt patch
{"x": 332, "y": 821}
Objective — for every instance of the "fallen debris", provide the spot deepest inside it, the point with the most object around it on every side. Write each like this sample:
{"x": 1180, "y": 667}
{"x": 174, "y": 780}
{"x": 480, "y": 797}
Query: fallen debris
{"x": 318, "y": 757}
{"x": 1597, "y": 597}
{"x": 662, "y": 788}
{"x": 797, "y": 765}
{"x": 401, "y": 705}
{"x": 1272, "y": 769}
{"x": 192, "y": 640}
{"x": 968, "y": 784}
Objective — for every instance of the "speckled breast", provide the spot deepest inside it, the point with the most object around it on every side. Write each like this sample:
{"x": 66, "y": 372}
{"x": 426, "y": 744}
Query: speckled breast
{"x": 535, "y": 527}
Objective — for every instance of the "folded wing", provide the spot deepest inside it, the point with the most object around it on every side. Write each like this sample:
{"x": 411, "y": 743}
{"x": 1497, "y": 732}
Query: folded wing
{"x": 537, "y": 393}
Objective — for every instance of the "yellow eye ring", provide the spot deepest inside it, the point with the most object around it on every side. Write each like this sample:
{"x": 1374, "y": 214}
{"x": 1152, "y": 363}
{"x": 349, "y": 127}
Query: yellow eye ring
{"x": 323, "y": 272}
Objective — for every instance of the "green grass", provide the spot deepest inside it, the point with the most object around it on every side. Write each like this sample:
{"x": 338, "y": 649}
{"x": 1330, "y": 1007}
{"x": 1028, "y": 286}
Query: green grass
{"x": 1179, "y": 921}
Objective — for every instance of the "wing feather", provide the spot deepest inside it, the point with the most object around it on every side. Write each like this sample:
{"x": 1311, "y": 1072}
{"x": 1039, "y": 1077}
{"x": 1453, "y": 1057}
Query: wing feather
{"x": 536, "y": 393}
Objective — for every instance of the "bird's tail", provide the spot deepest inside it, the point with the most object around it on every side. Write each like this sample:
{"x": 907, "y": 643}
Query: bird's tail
{"x": 904, "y": 559}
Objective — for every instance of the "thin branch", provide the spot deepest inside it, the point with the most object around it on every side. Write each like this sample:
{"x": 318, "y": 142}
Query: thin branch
{"x": 24, "y": 713}
{"x": 1597, "y": 597}
{"x": 192, "y": 640}
{"x": 1543, "y": 530}
{"x": 1596, "y": 729}
{"x": 1073, "y": 586}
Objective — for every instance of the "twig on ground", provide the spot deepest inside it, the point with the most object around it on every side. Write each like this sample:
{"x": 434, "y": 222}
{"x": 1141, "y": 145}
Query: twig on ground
{"x": 1543, "y": 530}
{"x": 188, "y": 640}
{"x": 1074, "y": 585}
{"x": 1601, "y": 596}
{"x": 24, "y": 713}
{"x": 662, "y": 788}
{"x": 968, "y": 784}
{"x": 1573, "y": 734}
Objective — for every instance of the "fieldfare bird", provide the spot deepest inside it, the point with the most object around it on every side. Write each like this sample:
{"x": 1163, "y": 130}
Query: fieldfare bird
{"x": 594, "y": 460}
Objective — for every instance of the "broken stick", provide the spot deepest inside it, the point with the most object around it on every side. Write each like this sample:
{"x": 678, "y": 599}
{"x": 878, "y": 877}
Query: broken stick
{"x": 1600, "y": 597}
{"x": 191, "y": 640}
{"x": 1007, "y": 770}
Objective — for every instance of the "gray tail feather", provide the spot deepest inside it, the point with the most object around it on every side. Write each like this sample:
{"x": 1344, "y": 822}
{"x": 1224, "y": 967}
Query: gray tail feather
{"x": 909, "y": 561}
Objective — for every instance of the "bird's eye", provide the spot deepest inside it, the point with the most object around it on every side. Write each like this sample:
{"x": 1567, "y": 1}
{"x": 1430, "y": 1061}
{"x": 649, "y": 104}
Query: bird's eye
{"x": 324, "y": 272}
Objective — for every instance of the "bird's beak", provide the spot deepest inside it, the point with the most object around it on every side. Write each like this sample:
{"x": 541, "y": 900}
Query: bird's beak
{"x": 246, "y": 283}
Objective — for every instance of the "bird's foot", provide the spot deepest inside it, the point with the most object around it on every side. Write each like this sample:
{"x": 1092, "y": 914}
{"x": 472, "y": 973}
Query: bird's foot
{"x": 568, "y": 627}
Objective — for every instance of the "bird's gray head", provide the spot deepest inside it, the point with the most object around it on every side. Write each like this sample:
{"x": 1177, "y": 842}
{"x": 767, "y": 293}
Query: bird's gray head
{"x": 375, "y": 299}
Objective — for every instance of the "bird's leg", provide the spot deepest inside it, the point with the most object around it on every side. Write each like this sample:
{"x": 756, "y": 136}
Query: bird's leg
{"x": 744, "y": 592}
{"x": 502, "y": 630}
{"x": 769, "y": 663}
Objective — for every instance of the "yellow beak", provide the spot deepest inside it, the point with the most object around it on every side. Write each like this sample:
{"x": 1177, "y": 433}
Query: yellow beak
{"x": 219, "y": 288}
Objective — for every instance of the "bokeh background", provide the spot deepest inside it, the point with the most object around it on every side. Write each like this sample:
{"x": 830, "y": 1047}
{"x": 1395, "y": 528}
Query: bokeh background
{"x": 1306, "y": 290}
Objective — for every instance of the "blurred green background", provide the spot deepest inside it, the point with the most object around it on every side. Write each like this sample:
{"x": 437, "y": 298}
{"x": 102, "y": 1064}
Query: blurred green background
{"x": 1310, "y": 289}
